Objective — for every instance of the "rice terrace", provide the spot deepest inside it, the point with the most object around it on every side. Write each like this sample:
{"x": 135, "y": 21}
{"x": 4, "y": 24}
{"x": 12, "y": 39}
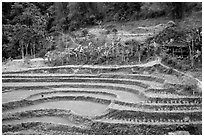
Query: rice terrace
{"x": 128, "y": 76}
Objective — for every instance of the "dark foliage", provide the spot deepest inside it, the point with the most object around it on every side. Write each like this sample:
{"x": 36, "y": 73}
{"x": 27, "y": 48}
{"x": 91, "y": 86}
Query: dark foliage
{"x": 32, "y": 28}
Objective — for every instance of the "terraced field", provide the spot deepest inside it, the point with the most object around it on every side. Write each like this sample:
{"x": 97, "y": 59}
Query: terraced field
{"x": 139, "y": 99}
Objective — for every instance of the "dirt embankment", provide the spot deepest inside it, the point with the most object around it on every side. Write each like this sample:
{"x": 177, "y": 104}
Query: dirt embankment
{"x": 20, "y": 64}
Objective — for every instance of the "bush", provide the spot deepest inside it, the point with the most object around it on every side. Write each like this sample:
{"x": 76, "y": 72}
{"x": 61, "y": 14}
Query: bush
{"x": 152, "y": 10}
{"x": 170, "y": 71}
{"x": 172, "y": 62}
{"x": 26, "y": 60}
{"x": 42, "y": 53}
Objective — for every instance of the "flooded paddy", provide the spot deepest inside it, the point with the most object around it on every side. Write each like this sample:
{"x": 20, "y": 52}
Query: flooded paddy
{"x": 118, "y": 89}
{"x": 82, "y": 93}
{"x": 122, "y": 95}
{"x": 84, "y": 108}
{"x": 16, "y": 95}
{"x": 76, "y": 93}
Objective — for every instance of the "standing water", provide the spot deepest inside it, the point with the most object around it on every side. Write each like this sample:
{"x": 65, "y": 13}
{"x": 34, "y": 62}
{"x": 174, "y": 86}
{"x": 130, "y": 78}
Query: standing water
{"x": 84, "y": 108}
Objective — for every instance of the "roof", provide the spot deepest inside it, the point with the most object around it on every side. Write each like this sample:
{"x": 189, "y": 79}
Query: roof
{"x": 176, "y": 44}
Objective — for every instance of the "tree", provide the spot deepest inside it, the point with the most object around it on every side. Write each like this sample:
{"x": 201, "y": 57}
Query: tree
{"x": 28, "y": 27}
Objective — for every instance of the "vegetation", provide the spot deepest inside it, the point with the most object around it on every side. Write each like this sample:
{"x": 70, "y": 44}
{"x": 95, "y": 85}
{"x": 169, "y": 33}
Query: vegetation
{"x": 33, "y": 29}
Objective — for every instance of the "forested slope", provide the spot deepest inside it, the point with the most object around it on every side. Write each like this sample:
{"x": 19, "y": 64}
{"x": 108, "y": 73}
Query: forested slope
{"x": 76, "y": 33}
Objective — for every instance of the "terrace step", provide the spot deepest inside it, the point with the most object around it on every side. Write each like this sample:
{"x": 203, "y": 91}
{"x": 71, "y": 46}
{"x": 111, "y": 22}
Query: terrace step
{"x": 172, "y": 92}
{"x": 156, "y": 95}
{"x": 121, "y": 92}
{"x": 149, "y": 64}
{"x": 101, "y": 75}
{"x": 19, "y": 94}
{"x": 124, "y": 93}
{"x": 64, "y": 84}
{"x": 68, "y": 92}
{"x": 44, "y": 119}
{"x": 167, "y": 104}
{"x": 82, "y": 107}
{"x": 95, "y": 80}
{"x": 128, "y": 108}
{"x": 147, "y": 123}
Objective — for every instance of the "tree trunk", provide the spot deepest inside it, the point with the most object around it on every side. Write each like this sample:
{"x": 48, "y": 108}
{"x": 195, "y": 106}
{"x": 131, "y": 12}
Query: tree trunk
{"x": 22, "y": 51}
{"x": 27, "y": 50}
{"x": 191, "y": 56}
{"x": 31, "y": 52}
{"x": 34, "y": 50}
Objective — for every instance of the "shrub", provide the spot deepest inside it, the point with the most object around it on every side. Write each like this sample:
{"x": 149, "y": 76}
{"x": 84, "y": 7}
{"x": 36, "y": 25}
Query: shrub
{"x": 170, "y": 71}
{"x": 26, "y": 60}
{"x": 42, "y": 53}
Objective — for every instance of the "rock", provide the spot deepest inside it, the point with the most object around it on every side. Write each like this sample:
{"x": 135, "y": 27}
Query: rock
{"x": 186, "y": 119}
{"x": 114, "y": 30}
{"x": 179, "y": 133}
{"x": 146, "y": 72}
{"x": 171, "y": 24}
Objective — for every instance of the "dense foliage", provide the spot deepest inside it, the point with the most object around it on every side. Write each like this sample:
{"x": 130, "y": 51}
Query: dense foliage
{"x": 32, "y": 29}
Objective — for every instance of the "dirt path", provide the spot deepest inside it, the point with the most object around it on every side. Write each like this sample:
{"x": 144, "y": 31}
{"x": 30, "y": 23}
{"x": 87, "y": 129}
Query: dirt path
{"x": 151, "y": 63}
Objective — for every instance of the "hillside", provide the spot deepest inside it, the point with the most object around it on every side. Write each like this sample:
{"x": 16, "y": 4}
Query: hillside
{"x": 102, "y": 68}
{"x": 131, "y": 30}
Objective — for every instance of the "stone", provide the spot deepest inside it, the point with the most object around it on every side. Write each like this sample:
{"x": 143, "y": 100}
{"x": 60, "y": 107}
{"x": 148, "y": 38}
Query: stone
{"x": 145, "y": 72}
{"x": 186, "y": 119}
{"x": 179, "y": 133}
{"x": 171, "y": 24}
